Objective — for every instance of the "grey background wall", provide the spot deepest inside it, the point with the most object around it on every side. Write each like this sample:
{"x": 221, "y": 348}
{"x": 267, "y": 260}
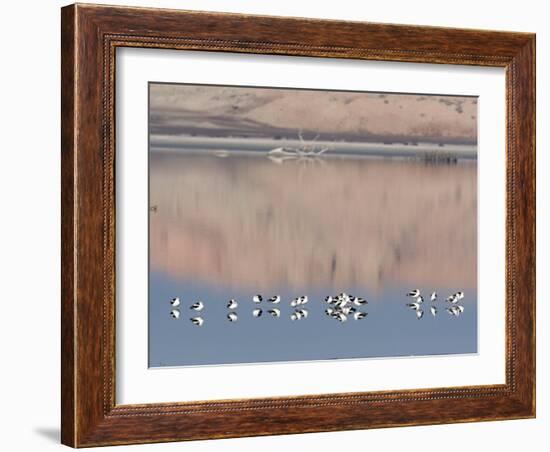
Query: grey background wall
{"x": 29, "y": 230}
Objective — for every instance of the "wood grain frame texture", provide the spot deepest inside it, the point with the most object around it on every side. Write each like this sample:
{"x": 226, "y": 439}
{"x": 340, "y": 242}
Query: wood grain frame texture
{"x": 90, "y": 35}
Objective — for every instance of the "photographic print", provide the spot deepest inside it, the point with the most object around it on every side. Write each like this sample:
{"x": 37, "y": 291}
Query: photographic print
{"x": 297, "y": 224}
{"x": 338, "y": 222}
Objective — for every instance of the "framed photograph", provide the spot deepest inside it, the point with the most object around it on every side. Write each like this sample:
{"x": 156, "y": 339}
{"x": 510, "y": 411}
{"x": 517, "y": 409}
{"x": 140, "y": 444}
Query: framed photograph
{"x": 280, "y": 225}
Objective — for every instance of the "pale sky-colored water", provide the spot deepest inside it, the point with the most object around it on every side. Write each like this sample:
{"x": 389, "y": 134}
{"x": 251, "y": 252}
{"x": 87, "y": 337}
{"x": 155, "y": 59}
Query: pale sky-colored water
{"x": 391, "y": 329}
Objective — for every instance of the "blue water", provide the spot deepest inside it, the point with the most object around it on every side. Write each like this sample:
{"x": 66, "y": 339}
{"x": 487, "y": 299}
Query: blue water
{"x": 390, "y": 329}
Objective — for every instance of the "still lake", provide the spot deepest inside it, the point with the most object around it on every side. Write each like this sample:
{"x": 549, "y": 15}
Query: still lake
{"x": 226, "y": 225}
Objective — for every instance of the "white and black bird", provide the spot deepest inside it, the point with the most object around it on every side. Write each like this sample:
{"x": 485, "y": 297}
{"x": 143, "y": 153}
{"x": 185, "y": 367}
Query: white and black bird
{"x": 343, "y": 301}
{"x": 175, "y": 313}
{"x": 198, "y": 321}
{"x": 257, "y": 312}
{"x": 358, "y": 301}
{"x": 347, "y": 309}
{"x": 232, "y": 317}
{"x": 175, "y": 301}
{"x": 419, "y": 299}
{"x": 275, "y": 299}
{"x": 302, "y": 313}
{"x": 419, "y": 314}
{"x": 359, "y": 315}
{"x": 455, "y": 310}
{"x": 294, "y": 316}
{"x": 433, "y": 297}
{"x": 198, "y": 306}
{"x": 345, "y": 297}
{"x": 299, "y": 301}
{"x": 257, "y": 298}
{"x": 232, "y": 304}
{"x": 274, "y": 312}
{"x": 415, "y": 306}
{"x": 329, "y": 299}
{"x": 341, "y": 317}
{"x": 456, "y": 297}
{"x": 433, "y": 310}
{"x": 303, "y": 299}
{"x": 329, "y": 311}
{"x": 414, "y": 293}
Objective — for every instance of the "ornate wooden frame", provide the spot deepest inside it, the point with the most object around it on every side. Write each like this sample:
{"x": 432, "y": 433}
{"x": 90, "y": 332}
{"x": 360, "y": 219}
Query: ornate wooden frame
{"x": 90, "y": 35}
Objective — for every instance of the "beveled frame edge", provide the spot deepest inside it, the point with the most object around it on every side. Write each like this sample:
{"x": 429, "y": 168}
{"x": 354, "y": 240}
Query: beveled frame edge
{"x": 90, "y": 35}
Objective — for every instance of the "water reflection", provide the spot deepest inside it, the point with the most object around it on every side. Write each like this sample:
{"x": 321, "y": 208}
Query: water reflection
{"x": 225, "y": 229}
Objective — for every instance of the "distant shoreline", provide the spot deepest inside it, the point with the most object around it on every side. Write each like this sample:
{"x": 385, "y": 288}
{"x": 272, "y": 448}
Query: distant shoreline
{"x": 247, "y": 146}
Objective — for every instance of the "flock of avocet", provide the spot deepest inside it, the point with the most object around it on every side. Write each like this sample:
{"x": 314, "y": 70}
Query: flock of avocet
{"x": 340, "y": 307}
{"x": 299, "y": 311}
{"x": 417, "y": 305}
{"x": 343, "y": 305}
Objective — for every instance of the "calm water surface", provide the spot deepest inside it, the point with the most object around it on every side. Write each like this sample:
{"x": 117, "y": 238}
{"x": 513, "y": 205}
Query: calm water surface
{"x": 231, "y": 226}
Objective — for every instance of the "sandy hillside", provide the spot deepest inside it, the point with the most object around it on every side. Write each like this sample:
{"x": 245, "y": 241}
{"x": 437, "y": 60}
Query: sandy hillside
{"x": 205, "y": 110}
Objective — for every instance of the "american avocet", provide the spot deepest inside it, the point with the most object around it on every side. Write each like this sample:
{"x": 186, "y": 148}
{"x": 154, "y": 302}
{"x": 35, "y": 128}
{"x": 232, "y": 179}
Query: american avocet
{"x": 198, "y": 306}
{"x": 198, "y": 321}
{"x": 175, "y": 313}
{"x": 232, "y": 317}
{"x": 175, "y": 301}
{"x": 359, "y": 315}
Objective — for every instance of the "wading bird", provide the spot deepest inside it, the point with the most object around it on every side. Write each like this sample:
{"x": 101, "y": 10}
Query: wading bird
{"x": 340, "y": 316}
{"x": 198, "y": 306}
{"x": 456, "y": 297}
{"x": 175, "y": 301}
{"x": 359, "y": 315}
{"x": 302, "y": 312}
{"x": 232, "y": 317}
{"x": 358, "y": 301}
{"x": 299, "y": 300}
{"x": 347, "y": 309}
{"x": 455, "y": 310}
{"x": 198, "y": 321}
{"x": 175, "y": 313}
